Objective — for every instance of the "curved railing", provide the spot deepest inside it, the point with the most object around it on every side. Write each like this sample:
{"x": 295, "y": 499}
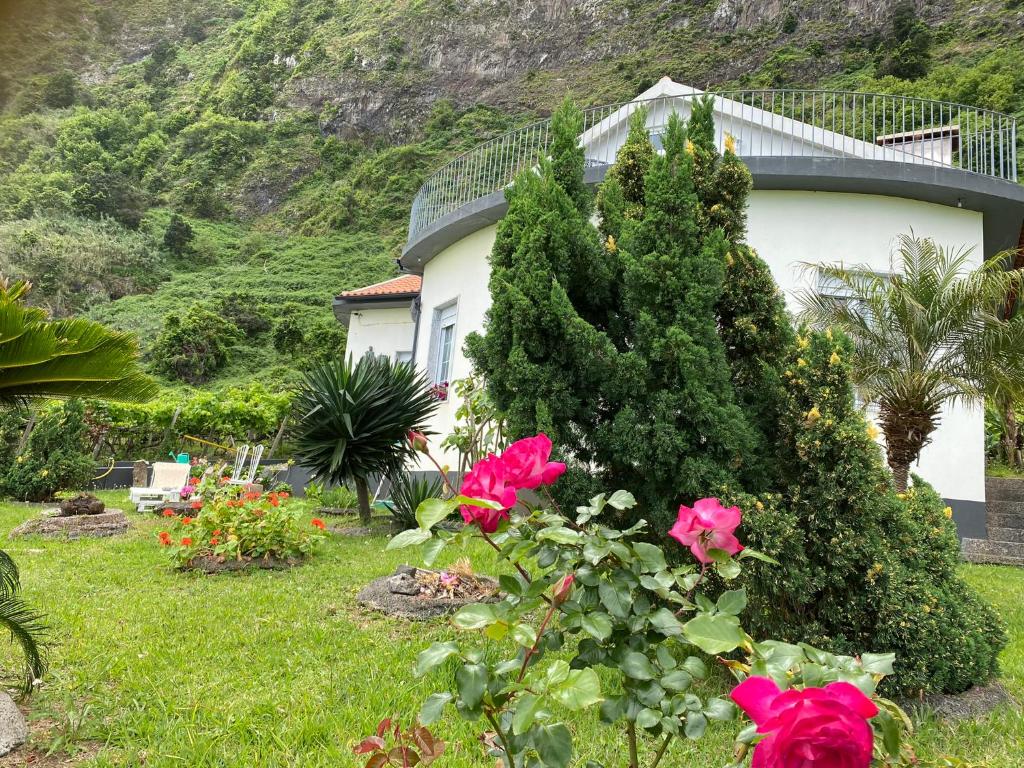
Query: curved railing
{"x": 759, "y": 123}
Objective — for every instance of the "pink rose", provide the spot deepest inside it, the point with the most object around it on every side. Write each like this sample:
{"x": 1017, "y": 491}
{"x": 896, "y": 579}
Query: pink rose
{"x": 810, "y": 728}
{"x": 708, "y": 525}
{"x": 563, "y": 589}
{"x": 526, "y": 462}
{"x": 488, "y": 480}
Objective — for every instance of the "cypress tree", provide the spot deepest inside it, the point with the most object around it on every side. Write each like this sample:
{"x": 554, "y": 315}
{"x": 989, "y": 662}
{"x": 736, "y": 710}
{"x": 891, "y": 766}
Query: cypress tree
{"x": 676, "y": 432}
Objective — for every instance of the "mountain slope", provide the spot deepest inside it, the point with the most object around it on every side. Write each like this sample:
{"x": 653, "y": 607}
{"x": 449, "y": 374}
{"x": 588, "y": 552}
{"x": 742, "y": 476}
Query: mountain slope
{"x": 300, "y": 129}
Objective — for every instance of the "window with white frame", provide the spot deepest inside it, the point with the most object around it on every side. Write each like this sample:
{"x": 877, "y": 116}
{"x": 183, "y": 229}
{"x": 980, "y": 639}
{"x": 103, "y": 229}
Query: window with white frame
{"x": 442, "y": 342}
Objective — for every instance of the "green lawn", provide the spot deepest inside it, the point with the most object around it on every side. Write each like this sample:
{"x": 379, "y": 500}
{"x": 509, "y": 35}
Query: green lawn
{"x": 284, "y": 669}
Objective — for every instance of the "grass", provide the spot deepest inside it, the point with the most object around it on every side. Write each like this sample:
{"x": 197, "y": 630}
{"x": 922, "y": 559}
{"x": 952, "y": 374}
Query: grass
{"x": 155, "y": 667}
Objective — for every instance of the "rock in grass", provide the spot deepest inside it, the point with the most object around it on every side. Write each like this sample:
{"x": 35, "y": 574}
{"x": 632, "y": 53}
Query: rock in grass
{"x": 109, "y": 523}
{"x": 13, "y": 728}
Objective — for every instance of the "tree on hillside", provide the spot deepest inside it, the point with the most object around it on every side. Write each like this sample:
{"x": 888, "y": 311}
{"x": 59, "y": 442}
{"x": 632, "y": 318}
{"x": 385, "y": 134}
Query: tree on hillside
{"x": 929, "y": 334}
{"x": 352, "y": 420}
{"x": 179, "y": 235}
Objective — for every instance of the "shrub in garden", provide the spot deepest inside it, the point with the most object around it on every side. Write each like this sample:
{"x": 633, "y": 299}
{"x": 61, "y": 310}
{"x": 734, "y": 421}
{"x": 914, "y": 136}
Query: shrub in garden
{"x": 55, "y": 458}
{"x": 351, "y": 420}
{"x": 194, "y": 346}
{"x": 179, "y": 235}
{"x": 408, "y": 492}
{"x": 865, "y": 567}
{"x": 584, "y": 595}
{"x": 230, "y": 523}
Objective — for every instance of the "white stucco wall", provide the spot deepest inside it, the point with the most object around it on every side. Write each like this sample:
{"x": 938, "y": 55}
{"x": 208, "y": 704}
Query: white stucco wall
{"x": 385, "y": 331}
{"x": 786, "y": 228}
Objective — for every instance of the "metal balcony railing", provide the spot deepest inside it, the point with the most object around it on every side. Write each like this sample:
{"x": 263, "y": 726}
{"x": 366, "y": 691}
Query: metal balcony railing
{"x": 758, "y": 123}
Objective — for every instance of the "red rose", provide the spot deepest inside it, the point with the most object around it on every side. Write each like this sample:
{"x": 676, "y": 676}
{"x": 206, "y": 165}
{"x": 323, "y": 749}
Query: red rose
{"x": 563, "y": 589}
{"x": 526, "y": 462}
{"x": 810, "y": 728}
{"x": 417, "y": 440}
{"x": 487, "y": 480}
{"x": 708, "y": 525}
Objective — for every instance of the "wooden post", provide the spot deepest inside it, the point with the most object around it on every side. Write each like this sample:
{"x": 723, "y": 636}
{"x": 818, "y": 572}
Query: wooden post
{"x": 277, "y": 439}
{"x": 29, "y": 426}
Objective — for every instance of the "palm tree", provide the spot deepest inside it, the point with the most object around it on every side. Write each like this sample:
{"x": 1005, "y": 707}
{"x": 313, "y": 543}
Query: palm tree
{"x": 40, "y": 358}
{"x": 929, "y": 333}
{"x": 352, "y": 421}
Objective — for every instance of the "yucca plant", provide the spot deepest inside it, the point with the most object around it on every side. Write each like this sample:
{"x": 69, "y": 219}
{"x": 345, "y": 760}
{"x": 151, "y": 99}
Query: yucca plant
{"x": 930, "y": 333}
{"x": 43, "y": 358}
{"x": 352, "y": 420}
{"x": 408, "y": 491}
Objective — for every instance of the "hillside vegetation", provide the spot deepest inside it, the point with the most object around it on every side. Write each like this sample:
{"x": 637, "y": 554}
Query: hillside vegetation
{"x": 161, "y": 161}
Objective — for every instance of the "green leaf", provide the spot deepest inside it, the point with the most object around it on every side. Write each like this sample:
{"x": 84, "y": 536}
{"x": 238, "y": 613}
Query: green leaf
{"x": 648, "y": 718}
{"x": 878, "y": 663}
{"x": 510, "y": 584}
{"x": 891, "y": 733}
{"x": 677, "y": 680}
{"x": 526, "y": 709}
{"x": 696, "y": 724}
{"x": 636, "y": 665}
{"x": 597, "y": 625}
{"x": 553, "y": 744}
{"x": 432, "y": 549}
{"x": 558, "y": 672}
{"x": 665, "y": 622}
{"x": 430, "y": 512}
{"x": 733, "y": 602}
{"x": 720, "y": 709}
{"x": 471, "y": 681}
{"x": 524, "y": 634}
{"x": 651, "y": 556}
{"x": 757, "y": 556}
{"x": 559, "y": 535}
{"x": 581, "y": 689}
{"x": 409, "y": 538}
{"x": 474, "y": 616}
{"x": 468, "y": 501}
{"x": 696, "y": 667}
{"x": 615, "y": 597}
{"x": 714, "y": 633}
{"x": 432, "y": 657}
{"x": 622, "y": 500}
{"x": 433, "y": 708}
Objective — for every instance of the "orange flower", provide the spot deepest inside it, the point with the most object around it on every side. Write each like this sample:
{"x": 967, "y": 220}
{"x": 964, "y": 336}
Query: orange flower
{"x": 197, "y": 505}
{"x": 168, "y": 513}
{"x": 284, "y": 494}
{"x": 274, "y": 501}
{"x": 186, "y": 542}
{"x": 214, "y": 541}
{"x": 186, "y": 520}
{"x": 224, "y": 480}
{"x": 317, "y": 523}
{"x": 251, "y": 496}
{"x": 165, "y": 539}
{"x": 217, "y": 532}
{"x": 193, "y": 481}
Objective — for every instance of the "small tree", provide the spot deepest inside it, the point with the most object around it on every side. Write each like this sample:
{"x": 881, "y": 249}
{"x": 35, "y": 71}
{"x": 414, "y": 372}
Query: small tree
{"x": 178, "y": 236}
{"x": 55, "y": 458}
{"x": 194, "y": 346}
{"x": 352, "y": 420}
{"x": 927, "y": 335}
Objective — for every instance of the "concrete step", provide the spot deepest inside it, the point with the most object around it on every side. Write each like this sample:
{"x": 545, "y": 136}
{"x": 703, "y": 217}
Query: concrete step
{"x": 988, "y": 551}
{"x": 1000, "y": 520}
{"x": 1004, "y": 489}
{"x": 1004, "y": 507}
{"x": 1005, "y": 534}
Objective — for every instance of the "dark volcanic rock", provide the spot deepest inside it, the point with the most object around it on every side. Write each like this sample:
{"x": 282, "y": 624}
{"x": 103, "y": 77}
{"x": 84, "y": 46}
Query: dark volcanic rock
{"x": 82, "y": 504}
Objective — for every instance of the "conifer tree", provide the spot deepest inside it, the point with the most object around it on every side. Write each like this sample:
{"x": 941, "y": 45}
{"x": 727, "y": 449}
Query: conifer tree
{"x": 676, "y": 431}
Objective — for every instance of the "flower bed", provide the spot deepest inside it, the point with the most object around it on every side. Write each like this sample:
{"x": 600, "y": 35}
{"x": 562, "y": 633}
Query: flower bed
{"x": 240, "y": 527}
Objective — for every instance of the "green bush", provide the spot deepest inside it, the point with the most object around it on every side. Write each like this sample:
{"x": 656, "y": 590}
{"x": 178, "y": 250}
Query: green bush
{"x": 194, "y": 346}
{"x": 55, "y": 458}
{"x": 863, "y": 568}
{"x": 408, "y": 491}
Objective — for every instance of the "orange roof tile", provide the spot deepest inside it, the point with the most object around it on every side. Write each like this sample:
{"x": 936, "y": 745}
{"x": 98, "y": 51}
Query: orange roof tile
{"x": 397, "y": 286}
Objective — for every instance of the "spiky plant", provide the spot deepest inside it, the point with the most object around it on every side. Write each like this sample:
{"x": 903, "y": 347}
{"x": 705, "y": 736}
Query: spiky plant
{"x": 351, "y": 420}
{"x": 930, "y": 333}
{"x": 408, "y": 491}
{"x": 25, "y": 625}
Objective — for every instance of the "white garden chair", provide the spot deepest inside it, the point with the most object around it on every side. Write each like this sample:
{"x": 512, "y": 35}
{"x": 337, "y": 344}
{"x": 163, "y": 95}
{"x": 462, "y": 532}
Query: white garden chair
{"x": 165, "y": 483}
{"x": 240, "y": 475}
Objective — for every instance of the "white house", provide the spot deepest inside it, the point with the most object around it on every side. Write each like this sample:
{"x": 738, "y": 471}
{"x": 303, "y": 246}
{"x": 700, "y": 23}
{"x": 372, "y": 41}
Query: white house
{"x": 837, "y": 177}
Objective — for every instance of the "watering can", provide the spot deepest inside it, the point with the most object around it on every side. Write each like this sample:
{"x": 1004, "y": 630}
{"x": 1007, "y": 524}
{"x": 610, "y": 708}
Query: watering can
{"x": 181, "y": 458}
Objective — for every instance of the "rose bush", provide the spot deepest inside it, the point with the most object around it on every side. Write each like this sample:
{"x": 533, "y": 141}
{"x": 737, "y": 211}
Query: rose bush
{"x": 584, "y": 595}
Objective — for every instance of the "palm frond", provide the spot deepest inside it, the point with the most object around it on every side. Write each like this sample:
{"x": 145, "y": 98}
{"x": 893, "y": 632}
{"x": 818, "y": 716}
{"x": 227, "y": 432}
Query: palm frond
{"x": 28, "y": 631}
{"x": 10, "y": 576}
